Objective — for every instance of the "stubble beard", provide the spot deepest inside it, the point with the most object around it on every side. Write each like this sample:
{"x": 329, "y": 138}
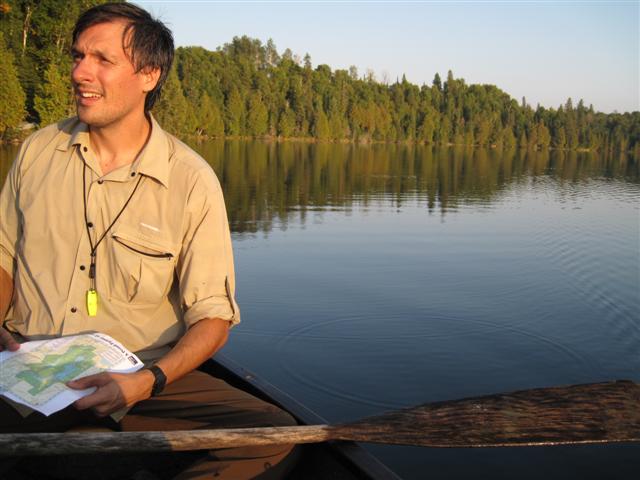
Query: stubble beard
{"x": 99, "y": 117}
{"x": 93, "y": 119}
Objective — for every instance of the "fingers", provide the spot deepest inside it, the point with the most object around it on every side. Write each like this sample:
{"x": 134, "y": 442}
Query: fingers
{"x": 99, "y": 402}
{"x": 96, "y": 380}
{"x": 107, "y": 397}
{"x": 7, "y": 341}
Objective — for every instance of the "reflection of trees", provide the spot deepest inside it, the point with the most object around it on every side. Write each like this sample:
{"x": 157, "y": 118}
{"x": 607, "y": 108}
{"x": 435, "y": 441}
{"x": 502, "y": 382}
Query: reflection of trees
{"x": 266, "y": 181}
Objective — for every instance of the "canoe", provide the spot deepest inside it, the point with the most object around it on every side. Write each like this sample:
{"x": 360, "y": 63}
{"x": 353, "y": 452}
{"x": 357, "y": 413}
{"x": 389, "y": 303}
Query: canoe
{"x": 339, "y": 460}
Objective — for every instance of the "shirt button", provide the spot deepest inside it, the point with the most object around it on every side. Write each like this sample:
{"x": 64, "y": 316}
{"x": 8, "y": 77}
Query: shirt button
{"x": 100, "y": 182}
{"x": 89, "y": 224}
{"x": 85, "y": 149}
{"x": 81, "y": 267}
{"x": 133, "y": 174}
{"x": 74, "y": 309}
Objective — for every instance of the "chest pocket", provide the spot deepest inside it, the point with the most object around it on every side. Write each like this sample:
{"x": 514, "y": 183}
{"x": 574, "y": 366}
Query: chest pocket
{"x": 142, "y": 266}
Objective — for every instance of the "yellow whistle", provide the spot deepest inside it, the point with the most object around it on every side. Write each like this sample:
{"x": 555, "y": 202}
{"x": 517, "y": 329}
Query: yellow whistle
{"x": 92, "y": 302}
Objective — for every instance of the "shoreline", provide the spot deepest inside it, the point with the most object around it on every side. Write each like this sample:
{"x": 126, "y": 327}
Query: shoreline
{"x": 25, "y": 132}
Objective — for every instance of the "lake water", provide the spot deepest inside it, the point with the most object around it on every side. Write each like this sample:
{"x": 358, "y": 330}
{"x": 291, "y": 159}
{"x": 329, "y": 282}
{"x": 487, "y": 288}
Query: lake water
{"x": 378, "y": 277}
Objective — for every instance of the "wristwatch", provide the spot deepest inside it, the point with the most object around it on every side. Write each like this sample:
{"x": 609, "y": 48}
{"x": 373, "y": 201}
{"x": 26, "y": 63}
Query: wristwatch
{"x": 160, "y": 379}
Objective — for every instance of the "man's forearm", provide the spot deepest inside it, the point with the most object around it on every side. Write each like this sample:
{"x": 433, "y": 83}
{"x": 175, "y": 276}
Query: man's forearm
{"x": 6, "y": 292}
{"x": 196, "y": 346}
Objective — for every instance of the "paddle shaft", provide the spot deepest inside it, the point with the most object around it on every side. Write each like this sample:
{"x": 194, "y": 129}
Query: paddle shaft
{"x": 171, "y": 441}
{"x": 580, "y": 414}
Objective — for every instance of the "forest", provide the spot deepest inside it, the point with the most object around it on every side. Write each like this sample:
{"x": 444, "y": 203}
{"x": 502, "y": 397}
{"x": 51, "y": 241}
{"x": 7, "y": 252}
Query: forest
{"x": 248, "y": 89}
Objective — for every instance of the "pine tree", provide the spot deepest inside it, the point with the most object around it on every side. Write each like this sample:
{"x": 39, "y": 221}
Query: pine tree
{"x": 12, "y": 96}
{"x": 210, "y": 118}
{"x": 483, "y": 131}
{"x": 53, "y": 101}
{"x": 339, "y": 127}
{"x": 437, "y": 82}
{"x": 234, "y": 113}
{"x": 427, "y": 129}
{"x": 172, "y": 111}
{"x": 560, "y": 138}
{"x": 382, "y": 123}
{"x": 321, "y": 128}
{"x": 287, "y": 124}
{"x": 532, "y": 138}
{"x": 544, "y": 137}
{"x": 257, "y": 116}
{"x": 272, "y": 56}
{"x": 571, "y": 125}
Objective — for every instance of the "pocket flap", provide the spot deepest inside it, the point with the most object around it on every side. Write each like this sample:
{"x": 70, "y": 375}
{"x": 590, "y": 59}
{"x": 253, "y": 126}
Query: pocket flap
{"x": 153, "y": 243}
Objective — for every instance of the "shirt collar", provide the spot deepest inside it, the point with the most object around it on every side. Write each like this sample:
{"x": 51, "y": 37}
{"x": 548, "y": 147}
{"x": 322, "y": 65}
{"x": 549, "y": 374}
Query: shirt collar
{"x": 153, "y": 160}
{"x": 79, "y": 135}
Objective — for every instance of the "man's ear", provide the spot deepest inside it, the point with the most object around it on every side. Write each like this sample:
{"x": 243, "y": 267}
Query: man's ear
{"x": 150, "y": 79}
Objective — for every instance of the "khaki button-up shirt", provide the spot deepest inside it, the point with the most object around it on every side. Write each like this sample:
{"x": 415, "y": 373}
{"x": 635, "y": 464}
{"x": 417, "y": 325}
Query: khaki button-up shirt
{"x": 165, "y": 264}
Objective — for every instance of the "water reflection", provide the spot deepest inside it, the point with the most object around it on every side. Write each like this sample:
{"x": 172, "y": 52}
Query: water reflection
{"x": 264, "y": 182}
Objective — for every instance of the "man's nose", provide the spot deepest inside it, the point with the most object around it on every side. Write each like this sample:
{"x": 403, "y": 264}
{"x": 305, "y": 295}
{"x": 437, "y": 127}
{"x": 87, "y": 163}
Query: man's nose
{"x": 82, "y": 71}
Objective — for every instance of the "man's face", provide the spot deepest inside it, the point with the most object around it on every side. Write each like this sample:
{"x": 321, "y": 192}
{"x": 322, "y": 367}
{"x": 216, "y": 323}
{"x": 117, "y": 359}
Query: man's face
{"x": 108, "y": 91}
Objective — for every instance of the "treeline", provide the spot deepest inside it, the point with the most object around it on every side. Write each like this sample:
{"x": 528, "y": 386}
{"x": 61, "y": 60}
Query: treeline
{"x": 249, "y": 89}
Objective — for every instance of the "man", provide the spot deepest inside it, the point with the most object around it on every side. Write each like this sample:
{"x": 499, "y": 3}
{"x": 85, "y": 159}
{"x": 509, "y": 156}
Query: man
{"x": 110, "y": 224}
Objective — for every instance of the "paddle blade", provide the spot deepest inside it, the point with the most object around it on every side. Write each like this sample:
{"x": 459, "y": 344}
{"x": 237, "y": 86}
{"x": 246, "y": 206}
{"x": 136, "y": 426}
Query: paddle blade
{"x": 593, "y": 413}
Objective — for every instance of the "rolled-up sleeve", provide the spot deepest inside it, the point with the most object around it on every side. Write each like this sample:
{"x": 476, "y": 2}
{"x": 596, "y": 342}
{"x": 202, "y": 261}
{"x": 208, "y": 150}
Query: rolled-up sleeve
{"x": 205, "y": 265}
{"x": 9, "y": 219}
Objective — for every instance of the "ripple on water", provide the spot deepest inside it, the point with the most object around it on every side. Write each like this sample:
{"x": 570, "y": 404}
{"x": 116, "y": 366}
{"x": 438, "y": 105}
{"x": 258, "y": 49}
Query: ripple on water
{"x": 366, "y": 354}
{"x": 589, "y": 249}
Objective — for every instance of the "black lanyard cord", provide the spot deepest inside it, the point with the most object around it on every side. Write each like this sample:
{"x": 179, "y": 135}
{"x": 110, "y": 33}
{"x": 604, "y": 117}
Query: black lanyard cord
{"x": 92, "y": 267}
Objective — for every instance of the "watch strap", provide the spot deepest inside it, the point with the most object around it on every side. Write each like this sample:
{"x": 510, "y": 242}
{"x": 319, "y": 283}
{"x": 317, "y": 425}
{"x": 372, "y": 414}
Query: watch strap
{"x": 160, "y": 379}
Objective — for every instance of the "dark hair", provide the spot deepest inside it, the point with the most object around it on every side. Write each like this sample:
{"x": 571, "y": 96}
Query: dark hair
{"x": 147, "y": 41}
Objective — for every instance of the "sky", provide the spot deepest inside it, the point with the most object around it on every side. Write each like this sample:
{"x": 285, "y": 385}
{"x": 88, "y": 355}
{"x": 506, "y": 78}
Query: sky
{"x": 542, "y": 50}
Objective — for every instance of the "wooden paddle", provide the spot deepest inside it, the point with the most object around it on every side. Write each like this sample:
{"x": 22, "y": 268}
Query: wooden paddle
{"x": 592, "y": 413}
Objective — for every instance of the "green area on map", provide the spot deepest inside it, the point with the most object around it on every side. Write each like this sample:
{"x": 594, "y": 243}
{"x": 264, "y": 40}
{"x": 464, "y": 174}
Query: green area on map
{"x": 56, "y": 368}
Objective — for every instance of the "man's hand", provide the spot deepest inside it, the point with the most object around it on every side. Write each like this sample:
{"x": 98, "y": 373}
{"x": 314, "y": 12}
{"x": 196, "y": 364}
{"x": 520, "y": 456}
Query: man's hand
{"x": 7, "y": 341}
{"x": 113, "y": 391}
{"x": 118, "y": 390}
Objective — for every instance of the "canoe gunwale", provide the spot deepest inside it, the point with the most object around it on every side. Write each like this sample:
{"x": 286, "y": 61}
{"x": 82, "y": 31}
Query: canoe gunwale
{"x": 350, "y": 454}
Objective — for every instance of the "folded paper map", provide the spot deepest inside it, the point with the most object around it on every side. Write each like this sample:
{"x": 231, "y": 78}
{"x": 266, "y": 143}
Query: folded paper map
{"x": 35, "y": 374}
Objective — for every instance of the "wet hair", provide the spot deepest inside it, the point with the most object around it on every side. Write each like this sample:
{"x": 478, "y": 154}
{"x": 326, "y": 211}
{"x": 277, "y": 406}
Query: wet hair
{"x": 146, "y": 40}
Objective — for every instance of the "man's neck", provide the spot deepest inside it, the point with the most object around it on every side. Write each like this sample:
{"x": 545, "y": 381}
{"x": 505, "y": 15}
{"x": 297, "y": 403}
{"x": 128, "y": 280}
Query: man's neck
{"x": 119, "y": 145}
